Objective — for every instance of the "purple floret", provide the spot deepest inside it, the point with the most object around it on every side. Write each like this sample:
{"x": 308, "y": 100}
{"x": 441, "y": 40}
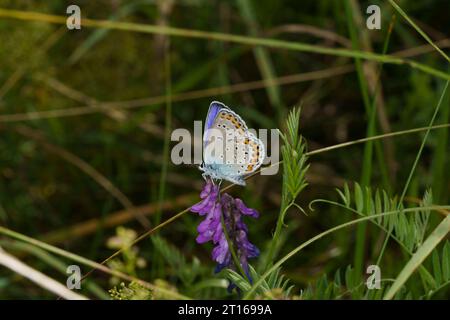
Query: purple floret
{"x": 215, "y": 206}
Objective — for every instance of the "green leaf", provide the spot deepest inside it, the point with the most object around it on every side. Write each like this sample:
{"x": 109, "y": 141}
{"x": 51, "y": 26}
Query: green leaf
{"x": 416, "y": 260}
{"x": 436, "y": 266}
{"x": 446, "y": 261}
{"x": 359, "y": 199}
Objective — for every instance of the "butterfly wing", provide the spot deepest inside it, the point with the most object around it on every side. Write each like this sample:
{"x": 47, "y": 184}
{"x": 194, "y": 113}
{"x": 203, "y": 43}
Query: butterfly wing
{"x": 237, "y": 151}
{"x": 213, "y": 111}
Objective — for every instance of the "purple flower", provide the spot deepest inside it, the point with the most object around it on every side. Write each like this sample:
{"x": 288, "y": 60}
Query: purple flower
{"x": 215, "y": 206}
{"x": 209, "y": 195}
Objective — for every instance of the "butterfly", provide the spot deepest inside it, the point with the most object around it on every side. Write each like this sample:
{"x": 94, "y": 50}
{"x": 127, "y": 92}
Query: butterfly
{"x": 230, "y": 150}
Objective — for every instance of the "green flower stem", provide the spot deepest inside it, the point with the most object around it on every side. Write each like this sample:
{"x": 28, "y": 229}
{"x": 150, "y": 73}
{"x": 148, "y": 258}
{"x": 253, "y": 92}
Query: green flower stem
{"x": 231, "y": 248}
{"x": 276, "y": 235}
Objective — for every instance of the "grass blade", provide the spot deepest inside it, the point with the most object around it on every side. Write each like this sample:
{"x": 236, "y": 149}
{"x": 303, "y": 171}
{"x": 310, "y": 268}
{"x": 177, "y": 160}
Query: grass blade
{"x": 262, "y": 57}
{"x": 243, "y": 40}
{"x": 37, "y": 277}
{"x": 321, "y": 235}
{"x": 416, "y": 260}
{"x": 420, "y": 31}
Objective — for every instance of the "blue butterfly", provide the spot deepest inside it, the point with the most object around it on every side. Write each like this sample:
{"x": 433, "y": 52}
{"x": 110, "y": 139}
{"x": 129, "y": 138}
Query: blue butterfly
{"x": 230, "y": 150}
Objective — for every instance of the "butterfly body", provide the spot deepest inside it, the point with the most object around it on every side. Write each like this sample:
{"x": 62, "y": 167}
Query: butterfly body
{"x": 230, "y": 151}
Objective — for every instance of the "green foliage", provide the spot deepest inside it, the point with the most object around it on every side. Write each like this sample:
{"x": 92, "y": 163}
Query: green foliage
{"x": 276, "y": 286}
{"x": 131, "y": 260}
{"x": 186, "y": 272}
{"x": 132, "y": 291}
{"x": 294, "y": 158}
{"x": 441, "y": 269}
{"x": 195, "y": 279}
{"x": 337, "y": 288}
{"x": 408, "y": 229}
{"x": 416, "y": 260}
{"x": 109, "y": 109}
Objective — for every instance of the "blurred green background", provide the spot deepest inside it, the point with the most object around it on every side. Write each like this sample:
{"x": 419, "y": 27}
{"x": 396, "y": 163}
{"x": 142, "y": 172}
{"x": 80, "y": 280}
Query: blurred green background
{"x": 92, "y": 112}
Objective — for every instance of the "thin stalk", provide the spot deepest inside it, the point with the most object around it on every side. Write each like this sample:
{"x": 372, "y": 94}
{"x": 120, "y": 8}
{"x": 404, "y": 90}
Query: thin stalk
{"x": 416, "y": 161}
{"x": 157, "y": 260}
{"x": 243, "y": 40}
{"x": 168, "y": 128}
{"x": 276, "y": 235}
{"x": 231, "y": 247}
{"x": 440, "y": 174}
{"x": 262, "y": 56}
{"x": 318, "y": 151}
{"x": 370, "y": 107}
{"x": 421, "y": 254}
{"x": 249, "y": 293}
{"x": 53, "y": 262}
{"x": 87, "y": 262}
{"x": 367, "y": 162}
{"x": 420, "y": 31}
{"x": 424, "y": 140}
{"x": 37, "y": 277}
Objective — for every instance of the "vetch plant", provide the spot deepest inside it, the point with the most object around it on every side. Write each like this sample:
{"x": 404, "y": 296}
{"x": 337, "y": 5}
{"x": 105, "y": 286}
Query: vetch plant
{"x": 294, "y": 171}
{"x": 382, "y": 237}
{"x": 224, "y": 226}
{"x": 223, "y": 223}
